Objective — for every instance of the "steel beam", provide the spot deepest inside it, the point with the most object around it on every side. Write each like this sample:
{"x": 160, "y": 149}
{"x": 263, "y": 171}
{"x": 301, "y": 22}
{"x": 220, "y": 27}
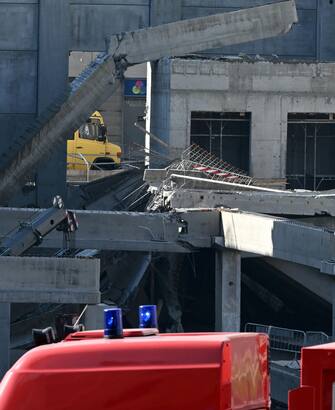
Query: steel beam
{"x": 182, "y": 231}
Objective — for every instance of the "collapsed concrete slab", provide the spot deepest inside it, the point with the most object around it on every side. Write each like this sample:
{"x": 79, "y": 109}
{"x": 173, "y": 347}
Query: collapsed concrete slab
{"x": 99, "y": 82}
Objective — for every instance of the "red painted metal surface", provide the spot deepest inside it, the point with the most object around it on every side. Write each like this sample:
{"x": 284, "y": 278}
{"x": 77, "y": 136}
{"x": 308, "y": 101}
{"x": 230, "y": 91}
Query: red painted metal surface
{"x": 161, "y": 372}
{"x": 317, "y": 378}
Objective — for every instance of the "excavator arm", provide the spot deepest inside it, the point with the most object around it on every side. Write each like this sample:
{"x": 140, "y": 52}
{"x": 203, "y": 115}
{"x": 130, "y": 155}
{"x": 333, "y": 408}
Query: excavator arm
{"x": 31, "y": 233}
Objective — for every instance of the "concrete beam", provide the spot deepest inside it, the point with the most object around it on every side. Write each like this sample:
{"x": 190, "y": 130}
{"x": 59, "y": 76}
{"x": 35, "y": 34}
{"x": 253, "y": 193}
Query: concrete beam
{"x": 277, "y": 238}
{"x": 183, "y": 231}
{"x": 285, "y": 203}
{"x": 53, "y": 78}
{"x": 227, "y": 291}
{"x": 205, "y": 33}
{"x": 49, "y": 280}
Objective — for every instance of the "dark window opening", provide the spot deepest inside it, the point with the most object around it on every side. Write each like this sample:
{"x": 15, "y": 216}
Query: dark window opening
{"x": 311, "y": 151}
{"x": 224, "y": 134}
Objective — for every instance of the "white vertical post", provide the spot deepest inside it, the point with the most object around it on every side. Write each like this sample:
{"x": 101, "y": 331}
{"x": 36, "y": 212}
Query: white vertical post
{"x": 227, "y": 291}
{"x": 148, "y": 115}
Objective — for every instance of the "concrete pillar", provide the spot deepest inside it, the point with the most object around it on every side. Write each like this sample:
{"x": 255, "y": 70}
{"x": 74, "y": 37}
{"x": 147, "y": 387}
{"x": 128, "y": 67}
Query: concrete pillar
{"x": 161, "y": 105}
{"x": 266, "y": 138}
{"x": 162, "y": 12}
{"x": 333, "y": 310}
{"x": 227, "y": 291}
{"x": 325, "y": 30}
{"x": 53, "y": 68}
{"x": 4, "y": 337}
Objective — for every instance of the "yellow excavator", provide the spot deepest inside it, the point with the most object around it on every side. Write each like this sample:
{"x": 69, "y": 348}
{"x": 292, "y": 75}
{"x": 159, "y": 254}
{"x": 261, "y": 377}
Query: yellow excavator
{"x": 90, "y": 148}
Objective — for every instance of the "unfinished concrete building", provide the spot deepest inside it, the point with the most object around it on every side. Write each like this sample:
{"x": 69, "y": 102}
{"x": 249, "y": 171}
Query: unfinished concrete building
{"x": 262, "y": 111}
{"x": 273, "y": 119}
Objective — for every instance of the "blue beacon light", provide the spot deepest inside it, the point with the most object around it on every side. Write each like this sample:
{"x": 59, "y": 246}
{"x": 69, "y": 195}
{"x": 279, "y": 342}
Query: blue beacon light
{"x": 148, "y": 316}
{"x": 113, "y": 323}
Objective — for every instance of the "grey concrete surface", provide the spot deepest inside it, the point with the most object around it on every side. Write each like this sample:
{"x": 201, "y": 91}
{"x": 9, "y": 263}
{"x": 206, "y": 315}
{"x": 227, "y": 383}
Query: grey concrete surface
{"x": 94, "y": 317}
{"x": 308, "y": 277}
{"x": 227, "y": 291}
{"x": 43, "y": 280}
{"x": 32, "y": 77}
{"x": 4, "y": 337}
{"x": 52, "y": 82}
{"x": 88, "y": 24}
{"x": 71, "y": 115}
{"x": 93, "y": 22}
{"x": 312, "y": 38}
{"x": 277, "y": 238}
{"x": 49, "y": 280}
{"x": 200, "y": 34}
{"x": 261, "y": 202}
{"x": 268, "y": 90}
{"x": 182, "y": 231}
{"x": 283, "y": 379}
{"x": 162, "y": 12}
{"x": 137, "y": 47}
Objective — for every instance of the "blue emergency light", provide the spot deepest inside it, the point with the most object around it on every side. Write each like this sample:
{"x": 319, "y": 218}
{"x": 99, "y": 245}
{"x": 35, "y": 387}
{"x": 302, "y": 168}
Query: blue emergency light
{"x": 148, "y": 316}
{"x": 113, "y": 323}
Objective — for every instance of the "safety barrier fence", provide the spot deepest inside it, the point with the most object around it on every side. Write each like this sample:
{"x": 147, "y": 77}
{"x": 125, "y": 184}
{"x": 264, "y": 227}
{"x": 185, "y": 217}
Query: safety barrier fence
{"x": 289, "y": 340}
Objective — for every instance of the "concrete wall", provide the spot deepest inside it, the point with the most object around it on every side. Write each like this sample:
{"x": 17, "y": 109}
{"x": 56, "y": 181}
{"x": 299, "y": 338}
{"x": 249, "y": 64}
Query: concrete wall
{"x": 93, "y": 21}
{"x": 18, "y": 63}
{"x": 311, "y": 38}
{"x": 36, "y": 35}
{"x": 268, "y": 90}
{"x": 34, "y": 44}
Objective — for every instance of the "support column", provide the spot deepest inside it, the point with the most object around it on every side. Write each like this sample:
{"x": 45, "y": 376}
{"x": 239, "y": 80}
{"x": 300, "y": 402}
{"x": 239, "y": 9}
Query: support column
{"x": 53, "y": 73}
{"x": 4, "y": 338}
{"x": 266, "y": 138}
{"x": 161, "y": 12}
{"x": 227, "y": 291}
{"x": 333, "y": 310}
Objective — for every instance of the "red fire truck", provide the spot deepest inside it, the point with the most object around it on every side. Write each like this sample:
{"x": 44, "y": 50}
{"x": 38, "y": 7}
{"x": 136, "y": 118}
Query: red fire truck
{"x": 141, "y": 369}
{"x": 317, "y": 385}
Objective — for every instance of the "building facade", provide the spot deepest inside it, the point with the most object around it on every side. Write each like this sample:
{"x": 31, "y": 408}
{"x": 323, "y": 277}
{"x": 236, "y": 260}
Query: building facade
{"x": 34, "y": 59}
{"x": 275, "y": 120}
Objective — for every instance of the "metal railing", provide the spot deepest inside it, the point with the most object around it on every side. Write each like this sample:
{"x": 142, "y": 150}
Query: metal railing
{"x": 196, "y": 158}
{"x": 288, "y": 340}
{"x": 89, "y": 166}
